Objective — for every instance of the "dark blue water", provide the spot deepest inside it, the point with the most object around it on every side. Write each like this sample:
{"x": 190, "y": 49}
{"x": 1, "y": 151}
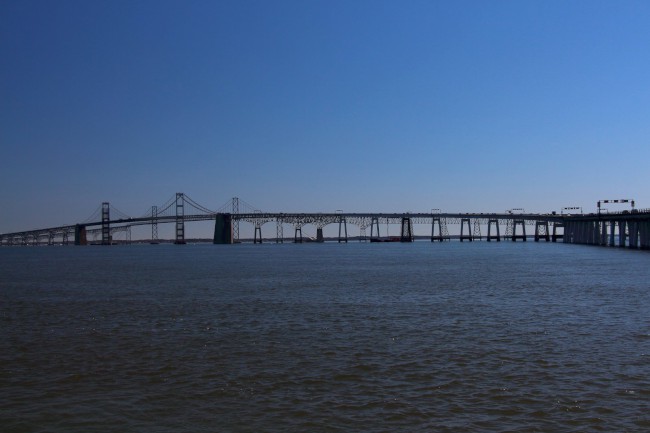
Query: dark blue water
{"x": 416, "y": 337}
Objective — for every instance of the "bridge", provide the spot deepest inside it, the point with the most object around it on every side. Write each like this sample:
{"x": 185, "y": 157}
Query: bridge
{"x": 623, "y": 229}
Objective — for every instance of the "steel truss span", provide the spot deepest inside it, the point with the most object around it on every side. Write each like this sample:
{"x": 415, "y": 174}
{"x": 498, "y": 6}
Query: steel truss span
{"x": 630, "y": 229}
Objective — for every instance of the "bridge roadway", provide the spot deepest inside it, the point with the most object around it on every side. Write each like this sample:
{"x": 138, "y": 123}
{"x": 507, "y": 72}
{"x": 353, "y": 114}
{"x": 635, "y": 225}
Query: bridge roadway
{"x": 631, "y": 229}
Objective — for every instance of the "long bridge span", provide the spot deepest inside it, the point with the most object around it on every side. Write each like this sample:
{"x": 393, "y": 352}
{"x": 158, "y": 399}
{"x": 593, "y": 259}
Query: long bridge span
{"x": 624, "y": 229}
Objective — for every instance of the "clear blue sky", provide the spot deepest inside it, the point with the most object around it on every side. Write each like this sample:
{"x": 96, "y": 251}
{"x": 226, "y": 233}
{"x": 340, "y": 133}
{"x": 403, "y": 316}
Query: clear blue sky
{"x": 321, "y": 105}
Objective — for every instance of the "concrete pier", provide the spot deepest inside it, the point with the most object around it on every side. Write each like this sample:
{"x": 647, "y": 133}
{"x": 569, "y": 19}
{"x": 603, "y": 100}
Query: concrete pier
{"x": 463, "y": 236}
{"x": 490, "y": 236}
{"x": 541, "y": 231}
{"x": 223, "y": 229}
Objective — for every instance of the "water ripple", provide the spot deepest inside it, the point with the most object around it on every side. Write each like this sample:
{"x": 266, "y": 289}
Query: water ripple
{"x": 325, "y": 338}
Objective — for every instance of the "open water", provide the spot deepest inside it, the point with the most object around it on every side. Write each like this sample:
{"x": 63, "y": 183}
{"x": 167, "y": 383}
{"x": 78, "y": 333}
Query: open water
{"x": 517, "y": 337}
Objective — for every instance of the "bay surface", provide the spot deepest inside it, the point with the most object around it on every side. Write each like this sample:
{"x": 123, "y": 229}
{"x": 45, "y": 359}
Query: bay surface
{"x": 325, "y": 338}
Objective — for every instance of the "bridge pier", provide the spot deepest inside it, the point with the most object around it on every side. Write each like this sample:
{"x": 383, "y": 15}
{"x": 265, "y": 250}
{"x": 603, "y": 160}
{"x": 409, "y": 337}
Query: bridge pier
{"x": 279, "y": 231}
{"x": 476, "y": 234}
{"x": 515, "y": 236}
{"x": 577, "y": 233}
{"x": 603, "y": 233}
{"x": 343, "y": 225}
{"x": 612, "y": 234}
{"x": 80, "y": 235}
{"x": 594, "y": 234}
{"x": 580, "y": 234}
{"x": 590, "y": 232}
{"x": 467, "y": 236}
{"x": 374, "y": 222}
{"x": 586, "y": 232}
{"x": 622, "y": 233}
{"x": 258, "y": 230}
{"x": 407, "y": 230}
{"x": 223, "y": 229}
{"x": 235, "y": 221}
{"x": 644, "y": 234}
{"x": 490, "y": 236}
{"x": 633, "y": 233}
{"x": 297, "y": 238}
{"x": 541, "y": 231}
{"x": 180, "y": 219}
{"x": 443, "y": 233}
{"x": 319, "y": 235}
{"x": 154, "y": 224}
{"x": 106, "y": 227}
{"x": 568, "y": 233}
{"x": 555, "y": 236}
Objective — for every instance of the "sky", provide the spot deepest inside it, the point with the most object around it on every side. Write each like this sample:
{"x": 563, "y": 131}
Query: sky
{"x": 315, "y": 106}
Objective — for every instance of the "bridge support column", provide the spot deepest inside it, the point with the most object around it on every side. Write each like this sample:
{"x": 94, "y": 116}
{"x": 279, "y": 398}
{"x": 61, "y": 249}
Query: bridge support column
{"x": 490, "y": 236}
{"x": 612, "y": 233}
{"x": 586, "y": 232}
{"x": 575, "y": 233}
{"x": 581, "y": 231}
{"x": 644, "y": 233}
{"x": 603, "y": 233}
{"x": 374, "y": 222}
{"x": 80, "y": 235}
{"x": 407, "y": 230}
{"x": 223, "y": 229}
{"x": 279, "y": 231}
{"x": 589, "y": 233}
{"x": 362, "y": 233}
{"x": 319, "y": 235}
{"x": 464, "y": 236}
{"x": 633, "y": 234}
{"x": 106, "y": 223}
{"x": 476, "y": 234}
{"x": 515, "y": 236}
{"x": 443, "y": 233}
{"x": 594, "y": 234}
{"x": 154, "y": 224}
{"x": 541, "y": 231}
{"x": 297, "y": 238}
{"x": 555, "y": 236}
{"x": 568, "y": 232}
{"x": 258, "y": 230}
{"x": 180, "y": 219}
{"x": 343, "y": 225}
{"x": 235, "y": 222}
{"x": 622, "y": 233}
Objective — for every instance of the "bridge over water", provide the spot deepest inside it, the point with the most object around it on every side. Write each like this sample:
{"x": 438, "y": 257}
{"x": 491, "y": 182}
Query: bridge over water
{"x": 625, "y": 229}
